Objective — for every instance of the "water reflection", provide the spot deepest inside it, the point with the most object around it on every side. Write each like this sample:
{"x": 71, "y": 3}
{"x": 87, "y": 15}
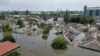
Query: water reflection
{"x": 59, "y": 52}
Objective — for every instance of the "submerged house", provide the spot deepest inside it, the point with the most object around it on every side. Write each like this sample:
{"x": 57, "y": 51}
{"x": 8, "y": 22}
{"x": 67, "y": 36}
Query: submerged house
{"x": 92, "y": 40}
{"x": 71, "y": 34}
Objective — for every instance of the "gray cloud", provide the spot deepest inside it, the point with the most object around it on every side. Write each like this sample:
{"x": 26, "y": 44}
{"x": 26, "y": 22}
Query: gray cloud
{"x": 38, "y": 5}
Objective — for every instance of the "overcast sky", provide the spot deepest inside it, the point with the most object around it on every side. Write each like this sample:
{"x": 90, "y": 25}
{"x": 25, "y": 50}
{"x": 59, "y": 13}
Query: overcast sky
{"x": 46, "y": 5}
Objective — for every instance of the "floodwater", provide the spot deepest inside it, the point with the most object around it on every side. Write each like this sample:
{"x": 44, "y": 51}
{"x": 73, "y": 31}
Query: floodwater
{"x": 36, "y": 46}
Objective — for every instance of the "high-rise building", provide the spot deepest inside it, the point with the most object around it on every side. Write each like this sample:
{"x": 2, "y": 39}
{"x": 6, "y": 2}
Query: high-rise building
{"x": 92, "y": 11}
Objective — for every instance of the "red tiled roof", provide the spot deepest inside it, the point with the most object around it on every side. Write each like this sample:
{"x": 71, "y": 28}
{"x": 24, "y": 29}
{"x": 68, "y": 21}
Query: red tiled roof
{"x": 6, "y": 47}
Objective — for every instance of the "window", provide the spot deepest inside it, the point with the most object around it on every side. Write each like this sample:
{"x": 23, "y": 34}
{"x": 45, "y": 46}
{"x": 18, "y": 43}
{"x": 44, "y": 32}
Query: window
{"x": 97, "y": 12}
{"x": 90, "y": 12}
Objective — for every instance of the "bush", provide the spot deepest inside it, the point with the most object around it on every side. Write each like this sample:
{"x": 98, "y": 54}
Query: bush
{"x": 57, "y": 33}
{"x": 29, "y": 34}
{"x": 44, "y": 36}
{"x": 47, "y": 30}
{"x": 6, "y": 27}
{"x": 59, "y": 43}
{"x": 15, "y": 53}
{"x": 20, "y": 23}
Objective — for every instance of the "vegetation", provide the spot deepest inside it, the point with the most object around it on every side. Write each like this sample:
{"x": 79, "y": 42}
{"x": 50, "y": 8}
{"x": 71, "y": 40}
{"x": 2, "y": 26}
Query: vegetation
{"x": 2, "y": 16}
{"x": 44, "y": 36}
{"x": 20, "y": 23}
{"x": 29, "y": 34}
{"x": 6, "y": 28}
{"x": 81, "y": 19}
{"x": 27, "y": 12}
{"x": 8, "y": 38}
{"x": 59, "y": 43}
{"x": 98, "y": 28}
{"x": 45, "y": 16}
{"x": 7, "y": 34}
{"x": 56, "y": 16}
{"x": 41, "y": 25}
{"x": 85, "y": 30}
{"x": 34, "y": 29}
{"x": 90, "y": 20}
{"x": 15, "y": 53}
{"x": 47, "y": 29}
{"x": 57, "y": 33}
{"x": 77, "y": 19}
{"x": 16, "y": 17}
{"x": 66, "y": 17}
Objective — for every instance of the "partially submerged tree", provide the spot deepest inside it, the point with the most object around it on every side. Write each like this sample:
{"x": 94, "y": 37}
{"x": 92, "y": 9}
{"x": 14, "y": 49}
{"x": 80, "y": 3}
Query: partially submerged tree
{"x": 44, "y": 36}
{"x": 8, "y": 38}
{"x": 20, "y": 23}
{"x": 59, "y": 43}
{"x": 6, "y": 28}
{"x": 47, "y": 29}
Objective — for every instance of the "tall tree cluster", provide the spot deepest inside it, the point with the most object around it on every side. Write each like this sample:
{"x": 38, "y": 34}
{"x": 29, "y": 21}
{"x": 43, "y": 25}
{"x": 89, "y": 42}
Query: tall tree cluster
{"x": 2, "y": 16}
{"x": 66, "y": 17}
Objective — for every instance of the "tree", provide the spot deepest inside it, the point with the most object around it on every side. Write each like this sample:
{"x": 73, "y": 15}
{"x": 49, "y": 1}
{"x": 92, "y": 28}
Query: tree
{"x": 59, "y": 43}
{"x": 44, "y": 36}
{"x": 16, "y": 12}
{"x": 90, "y": 20}
{"x": 75, "y": 19}
{"x": 47, "y": 29}
{"x": 7, "y": 35}
{"x": 8, "y": 38}
{"x": 2, "y": 16}
{"x": 20, "y": 23}
{"x": 55, "y": 18}
{"x": 83, "y": 20}
{"x": 6, "y": 28}
{"x": 59, "y": 32}
{"x": 44, "y": 16}
{"x": 66, "y": 17}
{"x": 27, "y": 12}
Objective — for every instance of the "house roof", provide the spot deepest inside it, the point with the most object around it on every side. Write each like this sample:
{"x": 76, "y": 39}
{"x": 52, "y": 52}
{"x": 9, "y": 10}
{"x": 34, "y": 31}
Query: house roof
{"x": 6, "y": 47}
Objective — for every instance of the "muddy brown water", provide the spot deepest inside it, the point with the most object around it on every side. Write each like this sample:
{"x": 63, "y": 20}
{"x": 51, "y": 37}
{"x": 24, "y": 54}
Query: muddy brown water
{"x": 36, "y": 46}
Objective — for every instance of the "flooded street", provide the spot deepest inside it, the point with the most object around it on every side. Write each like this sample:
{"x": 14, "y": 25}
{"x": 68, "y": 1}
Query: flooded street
{"x": 36, "y": 46}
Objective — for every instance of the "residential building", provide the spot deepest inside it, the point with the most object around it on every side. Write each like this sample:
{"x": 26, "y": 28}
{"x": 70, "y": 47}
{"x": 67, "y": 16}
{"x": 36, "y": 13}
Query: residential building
{"x": 7, "y": 47}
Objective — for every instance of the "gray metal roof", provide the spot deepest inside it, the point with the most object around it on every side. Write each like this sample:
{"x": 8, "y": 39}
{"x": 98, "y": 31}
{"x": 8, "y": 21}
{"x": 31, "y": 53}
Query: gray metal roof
{"x": 93, "y": 8}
